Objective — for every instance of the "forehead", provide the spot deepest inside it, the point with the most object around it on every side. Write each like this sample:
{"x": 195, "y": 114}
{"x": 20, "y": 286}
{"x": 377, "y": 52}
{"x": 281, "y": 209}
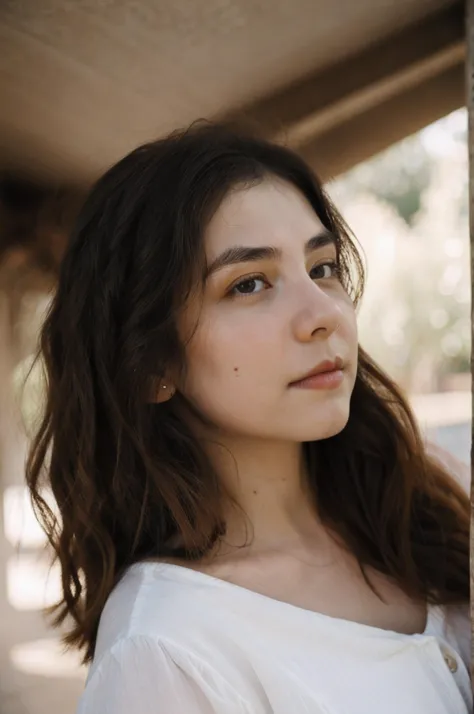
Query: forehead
{"x": 272, "y": 212}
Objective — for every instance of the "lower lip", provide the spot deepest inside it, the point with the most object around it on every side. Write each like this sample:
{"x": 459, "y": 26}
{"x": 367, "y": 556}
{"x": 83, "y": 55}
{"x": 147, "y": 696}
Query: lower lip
{"x": 324, "y": 380}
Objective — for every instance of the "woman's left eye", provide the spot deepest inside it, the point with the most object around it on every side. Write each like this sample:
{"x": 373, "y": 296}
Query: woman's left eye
{"x": 325, "y": 270}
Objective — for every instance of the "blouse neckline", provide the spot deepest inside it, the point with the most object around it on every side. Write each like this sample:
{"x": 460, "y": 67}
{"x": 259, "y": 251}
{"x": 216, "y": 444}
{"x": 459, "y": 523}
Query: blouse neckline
{"x": 180, "y": 571}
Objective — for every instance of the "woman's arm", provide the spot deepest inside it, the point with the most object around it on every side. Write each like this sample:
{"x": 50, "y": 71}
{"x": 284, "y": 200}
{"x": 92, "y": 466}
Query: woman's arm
{"x": 139, "y": 676}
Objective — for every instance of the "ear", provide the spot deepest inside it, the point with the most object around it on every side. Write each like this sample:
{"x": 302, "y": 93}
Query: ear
{"x": 162, "y": 392}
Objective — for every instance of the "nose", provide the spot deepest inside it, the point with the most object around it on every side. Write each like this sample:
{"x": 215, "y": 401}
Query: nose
{"x": 316, "y": 313}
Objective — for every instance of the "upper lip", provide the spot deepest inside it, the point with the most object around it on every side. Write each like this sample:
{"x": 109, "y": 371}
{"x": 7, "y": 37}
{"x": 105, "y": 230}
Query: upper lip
{"x": 325, "y": 366}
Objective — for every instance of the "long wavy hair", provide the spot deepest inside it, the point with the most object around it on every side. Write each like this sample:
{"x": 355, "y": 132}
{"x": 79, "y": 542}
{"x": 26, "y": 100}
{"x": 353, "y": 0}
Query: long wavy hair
{"x": 129, "y": 480}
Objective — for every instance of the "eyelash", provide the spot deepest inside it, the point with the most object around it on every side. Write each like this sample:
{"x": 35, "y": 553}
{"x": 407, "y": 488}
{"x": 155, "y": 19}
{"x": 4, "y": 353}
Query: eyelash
{"x": 258, "y": 276}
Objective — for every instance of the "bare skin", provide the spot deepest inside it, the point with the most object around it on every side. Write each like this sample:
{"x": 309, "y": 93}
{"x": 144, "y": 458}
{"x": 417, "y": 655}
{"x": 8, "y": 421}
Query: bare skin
{"x": 291, "y": 314}
{"x": 322, "y": 577}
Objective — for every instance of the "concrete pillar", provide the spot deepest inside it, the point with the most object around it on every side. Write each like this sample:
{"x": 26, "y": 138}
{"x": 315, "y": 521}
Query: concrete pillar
{"x": 470, "y": 106}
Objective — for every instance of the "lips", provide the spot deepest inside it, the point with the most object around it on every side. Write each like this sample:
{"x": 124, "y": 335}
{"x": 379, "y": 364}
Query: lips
{"x": 321, "y": 368}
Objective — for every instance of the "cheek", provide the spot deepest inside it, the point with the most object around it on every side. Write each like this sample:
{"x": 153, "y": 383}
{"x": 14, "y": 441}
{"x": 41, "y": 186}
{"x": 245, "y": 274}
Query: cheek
{"x": 224, "y": 353}
{"x": 349, "y": 322}
{"x": 351, "y": 338}
{"x": 346, "y": 336}
{"x": 353, "y": 330}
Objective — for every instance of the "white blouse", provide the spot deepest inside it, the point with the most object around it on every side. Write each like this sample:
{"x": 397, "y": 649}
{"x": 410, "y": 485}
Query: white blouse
{"x": 176, "y": 641}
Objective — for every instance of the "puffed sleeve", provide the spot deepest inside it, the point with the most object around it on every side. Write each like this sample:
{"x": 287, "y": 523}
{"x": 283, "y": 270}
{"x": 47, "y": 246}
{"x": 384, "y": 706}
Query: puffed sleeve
{"x": 140, "y": 675}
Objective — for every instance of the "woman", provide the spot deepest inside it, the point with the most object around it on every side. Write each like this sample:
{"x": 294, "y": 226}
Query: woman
{"x": 248, "y": 519}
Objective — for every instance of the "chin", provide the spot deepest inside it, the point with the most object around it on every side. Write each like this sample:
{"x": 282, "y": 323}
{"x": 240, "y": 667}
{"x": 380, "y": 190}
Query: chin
{"x": 324, "y": 426}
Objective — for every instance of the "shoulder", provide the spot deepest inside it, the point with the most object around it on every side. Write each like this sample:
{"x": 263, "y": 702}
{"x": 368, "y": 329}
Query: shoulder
{"x": 147, "y": 603}
{"x": 153, "y": 644}
{"x": 140, "y": 672}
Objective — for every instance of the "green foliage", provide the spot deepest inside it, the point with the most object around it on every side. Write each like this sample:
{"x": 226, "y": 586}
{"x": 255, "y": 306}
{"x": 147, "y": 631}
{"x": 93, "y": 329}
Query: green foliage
{"x": 398, "y": 176}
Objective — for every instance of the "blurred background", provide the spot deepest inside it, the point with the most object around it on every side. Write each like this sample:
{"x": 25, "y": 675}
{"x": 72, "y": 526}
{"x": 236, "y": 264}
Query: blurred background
{"x": 409, "y": 209}
{"x": 371, "y": 93}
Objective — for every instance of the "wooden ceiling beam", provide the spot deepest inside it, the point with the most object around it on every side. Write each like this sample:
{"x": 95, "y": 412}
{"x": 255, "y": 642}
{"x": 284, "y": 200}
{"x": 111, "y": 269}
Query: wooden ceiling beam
{"x": 374, "y": 130}
{"x": 350, "y": 91}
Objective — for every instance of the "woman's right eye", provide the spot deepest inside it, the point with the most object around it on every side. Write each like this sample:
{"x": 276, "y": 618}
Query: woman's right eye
{"x": 246, "y": 287}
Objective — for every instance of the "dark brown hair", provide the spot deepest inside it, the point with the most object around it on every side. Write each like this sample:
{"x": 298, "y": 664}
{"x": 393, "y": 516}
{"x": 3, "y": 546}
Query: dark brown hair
{"x": 128, "y": 478}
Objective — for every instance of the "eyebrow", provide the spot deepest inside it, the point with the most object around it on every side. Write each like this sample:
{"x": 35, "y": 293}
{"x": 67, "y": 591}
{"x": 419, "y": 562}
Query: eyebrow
{"x": 241, "y": 254}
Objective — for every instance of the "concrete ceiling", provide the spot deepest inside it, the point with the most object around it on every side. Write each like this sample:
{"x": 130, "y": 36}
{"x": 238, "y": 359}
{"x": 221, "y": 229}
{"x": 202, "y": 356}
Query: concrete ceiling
{"x": 84, "y": 81}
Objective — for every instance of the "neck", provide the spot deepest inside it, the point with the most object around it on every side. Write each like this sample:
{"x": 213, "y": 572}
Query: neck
{"x": 268, "y": 483}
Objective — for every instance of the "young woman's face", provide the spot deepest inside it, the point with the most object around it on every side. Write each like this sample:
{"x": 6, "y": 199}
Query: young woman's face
{"x": 268, "y": 318}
